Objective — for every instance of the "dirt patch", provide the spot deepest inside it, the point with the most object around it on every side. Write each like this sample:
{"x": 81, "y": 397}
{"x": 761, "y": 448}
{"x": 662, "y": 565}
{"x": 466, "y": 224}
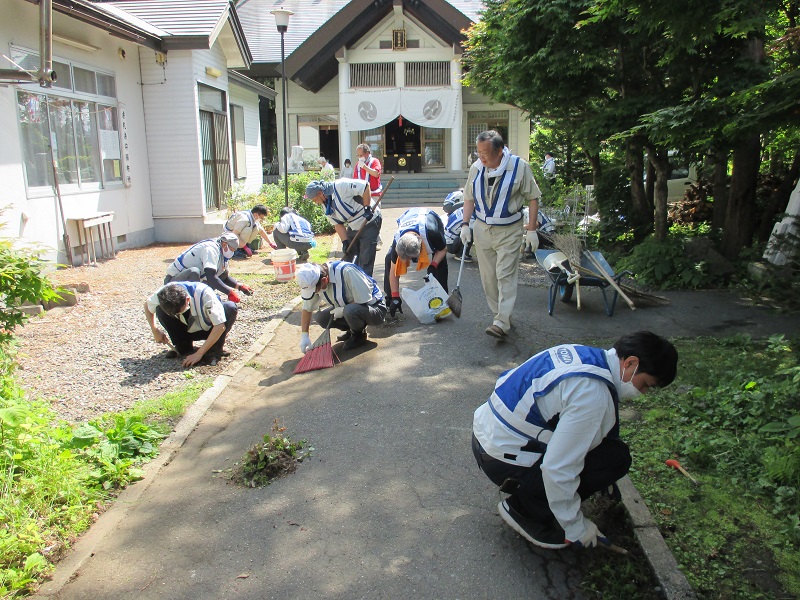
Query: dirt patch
{"x": 100, "y": 356}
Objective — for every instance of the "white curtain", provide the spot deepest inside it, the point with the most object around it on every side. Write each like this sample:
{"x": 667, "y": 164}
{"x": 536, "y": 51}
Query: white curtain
{"x": 429, "y": 107}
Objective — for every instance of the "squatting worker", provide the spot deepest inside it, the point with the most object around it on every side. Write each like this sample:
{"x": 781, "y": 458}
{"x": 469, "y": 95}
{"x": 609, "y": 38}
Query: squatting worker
{"x": 246, "y": 224}
{"x": 420, "y": 239}
{"x": 353, "y": 295}
{"x": 191, "y": 311}
{"x": 207, "y": 261}
{"x": 348, "y": 205}
{"x": 498, "y": 187}
{"x": 549, "y": 433}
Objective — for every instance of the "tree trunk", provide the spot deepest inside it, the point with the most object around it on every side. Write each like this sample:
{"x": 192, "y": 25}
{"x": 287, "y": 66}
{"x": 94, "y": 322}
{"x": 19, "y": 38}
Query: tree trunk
{"x": 738, "y": 228}
{"x": 594, "y": 161}
{"x": 779, "y": 199}
{"x": 642, "y": 212}
{"x": 719, "y": 188}
{"x": 660, "y": 162}
{"x": 650, "y": 184}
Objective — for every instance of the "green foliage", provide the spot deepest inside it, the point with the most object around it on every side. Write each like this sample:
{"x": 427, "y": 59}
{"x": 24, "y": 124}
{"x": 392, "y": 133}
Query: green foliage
{"x": 21, "y": 280}
{"x": 276, "y": 455}
{"x": 612, "y": 193}
{"x": 732, "y": 420}
{"x": 663, "y": 264}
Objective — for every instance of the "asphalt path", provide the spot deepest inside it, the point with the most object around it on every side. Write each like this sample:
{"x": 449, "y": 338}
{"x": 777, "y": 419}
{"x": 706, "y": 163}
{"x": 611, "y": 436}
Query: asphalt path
{"x": 391, "y": 503}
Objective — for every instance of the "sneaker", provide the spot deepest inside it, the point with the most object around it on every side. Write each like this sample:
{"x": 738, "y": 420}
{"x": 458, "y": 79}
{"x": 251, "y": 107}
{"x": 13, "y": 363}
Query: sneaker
{"x": 536, "y": 532}
{"x": 171, "y": 354}
{"x": 344, "y": 336}
{"x": 468, "y": 259}
{"x": 303, "y": 257}
{"x": 358, "y": 338}
{"x": 495, "y": 331}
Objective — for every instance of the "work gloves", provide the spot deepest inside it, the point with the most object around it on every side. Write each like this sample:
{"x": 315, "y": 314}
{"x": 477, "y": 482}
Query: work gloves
{"x": 432, "y": 268}
{"x": 591, "y": 537}
{"x": 305, "y": 343}
{"x": 338, "y": 312}
{"x": 345, "y": 244}
{"x": 248, "y": 252}
{"x": 396, "y": 305}
{"x": 532, "y": 240}
{"x": 368, "y": 213}
{"x": 466, "y": 234}
{"x": 234, "y": 297}
{"x": 248, "y": 291}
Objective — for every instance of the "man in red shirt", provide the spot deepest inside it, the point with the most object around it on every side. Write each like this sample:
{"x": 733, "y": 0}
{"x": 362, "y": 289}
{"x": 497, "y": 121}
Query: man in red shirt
{"x": 368, "y": 167}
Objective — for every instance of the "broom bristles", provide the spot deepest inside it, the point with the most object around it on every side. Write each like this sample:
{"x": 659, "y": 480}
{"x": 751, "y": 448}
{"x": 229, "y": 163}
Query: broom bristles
{"x": 454, "y": 302}
{"x": 320, "y": 356}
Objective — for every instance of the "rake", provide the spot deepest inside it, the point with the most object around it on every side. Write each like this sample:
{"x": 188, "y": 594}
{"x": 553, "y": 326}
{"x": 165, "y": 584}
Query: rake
{"x": 320, "y": 356}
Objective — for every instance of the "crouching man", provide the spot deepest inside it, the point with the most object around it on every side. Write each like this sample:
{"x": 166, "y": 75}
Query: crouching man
{"x": 191, "y": 311}
{"x": 353, "y": 295}
{"x": 549, "y": 433}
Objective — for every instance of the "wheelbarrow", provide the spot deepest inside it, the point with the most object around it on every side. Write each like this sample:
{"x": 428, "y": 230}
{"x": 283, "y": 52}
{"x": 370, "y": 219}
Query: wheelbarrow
{"x": 562, "y": 284}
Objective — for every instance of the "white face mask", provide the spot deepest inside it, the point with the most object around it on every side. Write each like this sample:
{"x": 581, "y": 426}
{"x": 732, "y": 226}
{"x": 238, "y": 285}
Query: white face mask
{"x": 228, "y": 253}
{"x": 627, "y": 389}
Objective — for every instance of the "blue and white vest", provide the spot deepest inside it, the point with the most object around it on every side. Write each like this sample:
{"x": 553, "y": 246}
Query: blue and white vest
{"x": 185, "y": 260}
{"x": 513, "y": 401}
{"x": 247, "y": 231}
{"x": 336, "y": 294}
{"x": 452, "y": 229}
{"x": 415, "y": 219}
{"x": 300, "y": 230}
{"x": 196, "y": 292}
{"x": 498, "y": 213}
{"x": 341, "y": 211}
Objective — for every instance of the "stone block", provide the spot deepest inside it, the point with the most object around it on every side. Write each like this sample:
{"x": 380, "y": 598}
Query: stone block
{"x": 69, "y": 297}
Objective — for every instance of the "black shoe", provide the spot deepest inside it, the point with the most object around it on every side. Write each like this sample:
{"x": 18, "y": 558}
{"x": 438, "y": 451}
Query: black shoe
{"x": 358, "y": 338}
{"x": 345, "y": 336}
{"x": 468, "y": 259}
{"x": 210, "y": 360}
{"x": 544, "y": 535}
{"x": 171, "y": 354}
{"x": 223, "y": 353}
{"x": 303, "y": 257}
{"x": 612, "y": 493}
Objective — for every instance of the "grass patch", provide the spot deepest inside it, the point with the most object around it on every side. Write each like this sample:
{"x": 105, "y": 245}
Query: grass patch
{"x": 731, "y": 418}
{"x": 273, "y": 457}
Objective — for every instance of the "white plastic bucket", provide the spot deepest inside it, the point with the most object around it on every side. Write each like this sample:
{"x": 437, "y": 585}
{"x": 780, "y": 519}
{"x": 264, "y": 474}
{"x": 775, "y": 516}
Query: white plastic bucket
{"x": 284, "y": 262}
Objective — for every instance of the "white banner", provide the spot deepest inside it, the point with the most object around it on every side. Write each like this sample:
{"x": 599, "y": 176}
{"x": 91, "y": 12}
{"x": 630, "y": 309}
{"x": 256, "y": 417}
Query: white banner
{"x": 428, "y": 107}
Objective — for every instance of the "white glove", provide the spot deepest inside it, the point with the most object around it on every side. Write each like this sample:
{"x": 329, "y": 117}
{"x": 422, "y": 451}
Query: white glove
{"x": 466, "y": 234}
{"x": 338, "y": 312}
{"x": 591, "y": 537}
{"x": 305, "y": 343}
{"x": 532, "y": 240}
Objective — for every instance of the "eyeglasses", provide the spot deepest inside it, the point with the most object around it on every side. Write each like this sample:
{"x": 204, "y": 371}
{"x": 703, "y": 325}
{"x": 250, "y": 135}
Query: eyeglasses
{"x": 486, "y": 154}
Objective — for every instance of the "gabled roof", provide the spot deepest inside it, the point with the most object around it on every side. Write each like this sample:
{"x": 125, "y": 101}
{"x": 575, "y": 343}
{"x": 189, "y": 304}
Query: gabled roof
{"x": 317, "y": 31}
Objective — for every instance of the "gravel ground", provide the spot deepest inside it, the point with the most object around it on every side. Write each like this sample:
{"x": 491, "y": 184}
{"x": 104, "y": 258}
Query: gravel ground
{"x": 99, "y": 356}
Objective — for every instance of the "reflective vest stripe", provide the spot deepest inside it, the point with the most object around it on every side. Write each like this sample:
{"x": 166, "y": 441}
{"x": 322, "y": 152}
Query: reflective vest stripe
{"x": 499, "y": 213}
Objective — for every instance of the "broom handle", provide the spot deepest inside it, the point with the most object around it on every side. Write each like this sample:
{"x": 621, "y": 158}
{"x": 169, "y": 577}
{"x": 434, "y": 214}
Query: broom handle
{"x": 461, "y": 268}
{"x": 608, "y": 278}
{"x": 365, "y": 223}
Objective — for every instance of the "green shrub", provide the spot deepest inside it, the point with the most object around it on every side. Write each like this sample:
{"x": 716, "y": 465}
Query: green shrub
{"x": 663, "y": 264}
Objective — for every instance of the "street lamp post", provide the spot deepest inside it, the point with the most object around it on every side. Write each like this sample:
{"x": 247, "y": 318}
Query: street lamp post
{"x": 282, "y": 22}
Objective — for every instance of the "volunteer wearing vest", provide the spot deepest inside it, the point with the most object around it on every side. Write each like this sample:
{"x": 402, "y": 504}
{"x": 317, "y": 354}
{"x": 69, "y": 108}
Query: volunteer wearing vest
{"x": 207, "y": 261}
{"x": 348, "y": 205}
{"x": 419, "y": 239}
{"x": 454, "y": 208}
{"x": 246, "y": 224}
{"x": 353, "y": 295}
{"x": 191, "y": 311}
{"x": 549, "y": 433}
{"x": 498, "y": 186}
{"x": 293, "y": 231}
{"x": 368, "y": 168}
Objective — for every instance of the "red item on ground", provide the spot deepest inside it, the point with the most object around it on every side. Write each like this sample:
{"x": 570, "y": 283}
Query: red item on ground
{"x": 247, "y": 250}
{"x": 320, "y": 356}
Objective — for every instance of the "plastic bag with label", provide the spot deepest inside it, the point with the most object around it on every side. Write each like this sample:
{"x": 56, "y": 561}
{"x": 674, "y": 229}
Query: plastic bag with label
{"x": 428, "y": 303}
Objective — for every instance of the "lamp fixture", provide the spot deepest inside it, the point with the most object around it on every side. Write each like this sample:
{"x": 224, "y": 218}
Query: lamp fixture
{"x": 75, "y": 43}
{"x": 213, "y": 72}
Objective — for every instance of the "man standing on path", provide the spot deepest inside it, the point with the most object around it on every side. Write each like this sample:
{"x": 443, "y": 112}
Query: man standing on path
{"x": 419, "y": 238}
{"x": 207, "y": 261}
{"x": 549, "y": 433}
{"x": 191, "y": 311}
{"x": 246, "y": 224}
{"x": 348, "y": 206}
{"x": 498, "y": 187}
{"x": 354, "y": 297}
{"x": 369, "y": 169}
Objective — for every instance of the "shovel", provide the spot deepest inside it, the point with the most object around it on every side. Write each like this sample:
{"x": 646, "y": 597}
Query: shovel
{"x": 454, "y": 299}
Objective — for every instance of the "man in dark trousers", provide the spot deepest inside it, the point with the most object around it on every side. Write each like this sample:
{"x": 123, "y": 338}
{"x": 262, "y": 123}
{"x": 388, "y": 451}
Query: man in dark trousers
{"x": 348, "y": 206}
{"x": 420, "y": 239}
{"x": 191, "y": 311}
{"x": 549, "y": 433}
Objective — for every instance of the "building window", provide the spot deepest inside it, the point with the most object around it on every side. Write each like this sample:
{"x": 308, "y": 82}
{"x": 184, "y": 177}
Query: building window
{"x": 79, "y": 120}
{"x": 433, "y": 146}
{"x": 484, "y": 120}
{"x": 239, "y": 147}
{"x": 313, "y": 133}
{"x": 372, "y": 75}
{"x": 374, "y": 138}
{"x": 427, "y": 74}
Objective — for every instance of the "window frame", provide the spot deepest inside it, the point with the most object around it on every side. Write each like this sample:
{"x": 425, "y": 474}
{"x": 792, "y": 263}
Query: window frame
{"x": 238, "y": 142}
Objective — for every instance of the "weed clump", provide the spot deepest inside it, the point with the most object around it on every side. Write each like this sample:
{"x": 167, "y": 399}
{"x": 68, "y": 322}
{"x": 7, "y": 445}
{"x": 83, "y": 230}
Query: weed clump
{"x": 275, "y": 456}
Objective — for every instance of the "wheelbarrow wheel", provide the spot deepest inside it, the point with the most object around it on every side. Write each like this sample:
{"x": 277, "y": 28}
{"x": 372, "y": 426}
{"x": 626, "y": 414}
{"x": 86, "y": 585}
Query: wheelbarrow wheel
{"x": 565, "y": 291}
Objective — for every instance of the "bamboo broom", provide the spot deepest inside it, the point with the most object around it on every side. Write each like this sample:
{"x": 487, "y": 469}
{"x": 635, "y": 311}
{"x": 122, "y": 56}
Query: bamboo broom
{"x": 570, "y": 245}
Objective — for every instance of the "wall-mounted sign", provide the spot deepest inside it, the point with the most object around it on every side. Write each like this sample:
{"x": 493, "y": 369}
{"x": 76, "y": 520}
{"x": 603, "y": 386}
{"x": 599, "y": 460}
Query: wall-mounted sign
{"x": 398, "y": 39}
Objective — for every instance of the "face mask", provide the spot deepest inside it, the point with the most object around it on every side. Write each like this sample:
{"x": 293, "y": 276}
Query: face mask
{"x": 228, "y": 253}
{"x": 628, "y": 390}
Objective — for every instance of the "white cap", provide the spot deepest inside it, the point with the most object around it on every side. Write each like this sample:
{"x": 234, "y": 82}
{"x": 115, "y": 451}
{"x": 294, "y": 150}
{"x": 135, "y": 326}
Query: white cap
{"x": 231, "y": 239}
{"x": 308, "y": 276}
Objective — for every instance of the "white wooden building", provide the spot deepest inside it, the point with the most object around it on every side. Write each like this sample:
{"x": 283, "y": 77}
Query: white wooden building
{"x": 146, "y": 120}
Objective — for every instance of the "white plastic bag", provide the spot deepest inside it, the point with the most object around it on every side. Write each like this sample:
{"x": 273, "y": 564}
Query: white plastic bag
{"x": 428, "y": 303}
